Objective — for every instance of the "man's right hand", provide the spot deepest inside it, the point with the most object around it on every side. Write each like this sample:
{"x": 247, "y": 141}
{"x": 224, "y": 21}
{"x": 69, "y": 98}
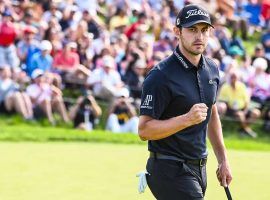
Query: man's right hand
{"x": 197, "y": 113}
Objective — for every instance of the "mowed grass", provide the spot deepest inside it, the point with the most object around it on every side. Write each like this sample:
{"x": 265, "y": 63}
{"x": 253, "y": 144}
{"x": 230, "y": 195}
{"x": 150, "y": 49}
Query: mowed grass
{"x": 100, "y": 171}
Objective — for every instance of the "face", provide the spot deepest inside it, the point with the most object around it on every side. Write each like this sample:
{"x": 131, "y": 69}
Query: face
{"x": 6, "y": 73}
{"x": 233, "y": 78}
{"x": 194, "y": 39}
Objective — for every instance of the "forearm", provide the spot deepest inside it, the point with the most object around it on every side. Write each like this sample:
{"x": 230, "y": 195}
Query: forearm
{"x": 154, "y": 129}
{"x": 216, "y": 137}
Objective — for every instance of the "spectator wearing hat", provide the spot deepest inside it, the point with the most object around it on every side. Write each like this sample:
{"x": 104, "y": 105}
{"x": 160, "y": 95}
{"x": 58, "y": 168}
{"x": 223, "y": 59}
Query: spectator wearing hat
{"x": 119, "y": 20}
{"x": 259, "y": 82}
{"x": 106, "y": 81}
{"x": 8, "y": 35}
{"x": 237, "y": 99}
{"x": 42, "y": 59}
{"x": 46, "y": 98}
{"x": 28, "y": 46}
{"x": 122, "y": 116}
{"x": 11, "y": 98}
{"x": 260, "y": 52}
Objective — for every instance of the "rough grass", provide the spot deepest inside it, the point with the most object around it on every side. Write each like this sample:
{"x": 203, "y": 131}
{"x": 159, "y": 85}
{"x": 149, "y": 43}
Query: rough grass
{"x": 13, "y": 129}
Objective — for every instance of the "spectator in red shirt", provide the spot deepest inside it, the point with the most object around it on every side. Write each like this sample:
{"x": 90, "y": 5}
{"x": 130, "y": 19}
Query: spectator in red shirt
{"x": 8, "y": 54}
{"x": 67, "y": 63}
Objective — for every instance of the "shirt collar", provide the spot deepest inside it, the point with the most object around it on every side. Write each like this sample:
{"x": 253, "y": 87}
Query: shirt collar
{"x": 185, "y": 62}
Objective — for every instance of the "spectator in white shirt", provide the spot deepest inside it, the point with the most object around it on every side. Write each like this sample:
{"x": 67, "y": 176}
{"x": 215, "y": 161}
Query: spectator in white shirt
{"x": 106, "y": 81}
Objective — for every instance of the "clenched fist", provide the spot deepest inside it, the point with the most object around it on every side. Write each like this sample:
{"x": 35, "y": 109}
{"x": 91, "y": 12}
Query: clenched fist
{"x": 197, "y": 113}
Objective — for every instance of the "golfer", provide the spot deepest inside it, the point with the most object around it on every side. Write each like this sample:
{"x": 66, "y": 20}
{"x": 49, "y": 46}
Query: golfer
{"x": 178, "y": 110}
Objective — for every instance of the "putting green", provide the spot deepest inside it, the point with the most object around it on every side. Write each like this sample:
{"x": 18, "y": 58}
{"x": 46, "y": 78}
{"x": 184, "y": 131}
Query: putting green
{"x": 89, "y": 171}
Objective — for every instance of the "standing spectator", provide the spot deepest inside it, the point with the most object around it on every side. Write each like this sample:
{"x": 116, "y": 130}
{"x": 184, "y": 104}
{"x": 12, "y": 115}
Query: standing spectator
{"x": 122, "y": 116}
{"x": 11, "y": 98}
{"x": 8, "y": 34}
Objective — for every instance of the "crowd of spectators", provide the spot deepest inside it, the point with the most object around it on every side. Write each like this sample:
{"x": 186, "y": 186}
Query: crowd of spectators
{"x": 105, "y": 48}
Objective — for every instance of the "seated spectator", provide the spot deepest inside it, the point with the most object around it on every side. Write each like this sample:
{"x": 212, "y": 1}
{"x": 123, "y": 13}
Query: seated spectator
{"x": 267, "y": 120}
{"x": 135, "y": 77}
{"x": 163, "y": 44}
{"x": 235, "y": 101}
{"x": 41, "y": 60}
{"x": 259, "y": 82}
{"x": 122, "y": 116}
{"x": 265, "y": 40}
{"x": 260, "y": 53}
{"x": 119, "y": 20}
{"x": 106, "y": 81}
{"x": 11, "y": 98}
{"x": 46, "y": 98}
{"x": 27, "y": 47}
{"x": 246, "y": 69}
{"x": 85, "y": 113}
{"x": 67, "y": 63}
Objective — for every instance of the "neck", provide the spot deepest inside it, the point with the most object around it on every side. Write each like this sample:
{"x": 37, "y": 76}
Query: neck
{"x": 194, "y": 59}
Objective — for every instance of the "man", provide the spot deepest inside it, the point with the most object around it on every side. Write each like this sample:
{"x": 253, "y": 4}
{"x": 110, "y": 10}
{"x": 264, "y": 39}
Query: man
{"x": 177, "y": 111}
{"x": 236, "y": 98}
{"x": 106, "y": 81}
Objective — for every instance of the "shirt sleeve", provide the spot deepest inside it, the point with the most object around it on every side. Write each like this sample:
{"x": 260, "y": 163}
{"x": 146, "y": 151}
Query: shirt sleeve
{"x": 156, "y": 95}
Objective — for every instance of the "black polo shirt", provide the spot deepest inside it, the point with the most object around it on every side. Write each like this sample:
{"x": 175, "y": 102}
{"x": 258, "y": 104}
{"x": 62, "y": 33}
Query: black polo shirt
{"x": 171, "y": 89}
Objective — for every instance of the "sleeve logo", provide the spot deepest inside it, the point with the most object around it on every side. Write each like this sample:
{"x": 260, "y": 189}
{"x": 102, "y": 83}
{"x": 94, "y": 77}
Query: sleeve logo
{"x": 147, "y": 101}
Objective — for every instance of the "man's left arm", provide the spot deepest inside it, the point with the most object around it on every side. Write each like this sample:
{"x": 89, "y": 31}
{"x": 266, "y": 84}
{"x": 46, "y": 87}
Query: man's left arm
{"x": 216, "y": 138}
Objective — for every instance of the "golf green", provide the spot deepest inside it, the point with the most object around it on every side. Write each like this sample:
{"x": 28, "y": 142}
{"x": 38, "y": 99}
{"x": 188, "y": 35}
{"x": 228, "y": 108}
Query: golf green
{"x": 89, "y": 171}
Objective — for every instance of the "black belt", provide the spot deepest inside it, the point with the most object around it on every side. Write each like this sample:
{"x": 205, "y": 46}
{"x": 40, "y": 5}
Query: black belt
{"x": 200, "y": 162}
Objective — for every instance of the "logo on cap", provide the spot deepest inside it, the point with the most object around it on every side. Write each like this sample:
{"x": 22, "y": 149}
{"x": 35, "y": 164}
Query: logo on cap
{"x": 191, "y": 15}
{"x": 196, "y": 12}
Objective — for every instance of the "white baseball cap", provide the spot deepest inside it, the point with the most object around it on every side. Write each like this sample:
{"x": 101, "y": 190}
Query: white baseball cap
{"x": 45, "y": 45}
{"x": 260, "y": 63}
{"x": 108, "y": 61}
{"x": 36, "y": 73}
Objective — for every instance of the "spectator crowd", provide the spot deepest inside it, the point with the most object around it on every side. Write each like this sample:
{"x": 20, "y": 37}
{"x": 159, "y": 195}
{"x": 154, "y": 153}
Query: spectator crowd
{"x": 103, "y": 49}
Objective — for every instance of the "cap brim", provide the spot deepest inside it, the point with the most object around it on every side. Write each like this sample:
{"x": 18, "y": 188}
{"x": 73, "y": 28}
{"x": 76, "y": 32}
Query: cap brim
{"x": 196, "y": 22}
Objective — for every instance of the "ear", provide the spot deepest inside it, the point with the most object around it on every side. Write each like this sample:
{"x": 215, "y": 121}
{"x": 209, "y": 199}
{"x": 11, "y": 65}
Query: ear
{"x": 176, "y": 31}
